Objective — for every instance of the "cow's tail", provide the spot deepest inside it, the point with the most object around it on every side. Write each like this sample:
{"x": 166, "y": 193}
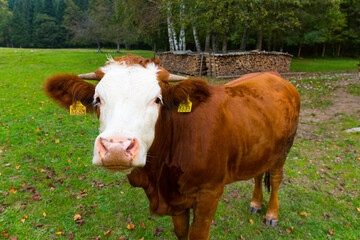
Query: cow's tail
{"x": 267, "y": 181}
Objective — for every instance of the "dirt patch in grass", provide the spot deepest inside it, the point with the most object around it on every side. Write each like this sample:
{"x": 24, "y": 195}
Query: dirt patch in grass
{"x": 342, "y": 102}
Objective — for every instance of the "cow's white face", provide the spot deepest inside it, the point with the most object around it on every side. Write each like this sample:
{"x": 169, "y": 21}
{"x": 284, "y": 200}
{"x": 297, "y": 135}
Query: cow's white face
{"x": 129, "y": 98}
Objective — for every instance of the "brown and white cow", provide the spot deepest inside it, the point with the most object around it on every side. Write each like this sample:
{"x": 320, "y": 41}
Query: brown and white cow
{"x": 234, "y": 132}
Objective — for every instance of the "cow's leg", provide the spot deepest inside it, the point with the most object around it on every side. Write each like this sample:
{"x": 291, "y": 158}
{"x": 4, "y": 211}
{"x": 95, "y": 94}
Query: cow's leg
{"x": 257, "y": 199}
{"x": 204, "y": 212}
{"x": 181, "y": 225}
{"x": 273, "y": 207}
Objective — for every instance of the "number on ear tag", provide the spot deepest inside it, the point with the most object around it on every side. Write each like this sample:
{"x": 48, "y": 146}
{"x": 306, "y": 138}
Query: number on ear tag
{"x": 185, "y": 106}
{"x": 77, "y": 109}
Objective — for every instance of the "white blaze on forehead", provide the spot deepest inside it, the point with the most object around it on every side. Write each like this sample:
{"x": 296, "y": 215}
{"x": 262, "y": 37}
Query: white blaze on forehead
{"x": 127, "y": 107}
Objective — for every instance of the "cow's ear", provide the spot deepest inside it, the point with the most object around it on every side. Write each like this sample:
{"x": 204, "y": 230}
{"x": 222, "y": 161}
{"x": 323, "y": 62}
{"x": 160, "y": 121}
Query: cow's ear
{"x": 66, "y": 88}
{"x": 196, "y": 90}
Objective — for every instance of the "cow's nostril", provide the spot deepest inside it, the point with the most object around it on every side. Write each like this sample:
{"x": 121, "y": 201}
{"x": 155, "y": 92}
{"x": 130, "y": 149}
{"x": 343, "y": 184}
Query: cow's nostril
{"x": 132, "y": 144}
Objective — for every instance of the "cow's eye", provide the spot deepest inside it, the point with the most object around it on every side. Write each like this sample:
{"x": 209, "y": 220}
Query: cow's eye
{"x": 158, "y": 100}
{"x": 97, "y": 101}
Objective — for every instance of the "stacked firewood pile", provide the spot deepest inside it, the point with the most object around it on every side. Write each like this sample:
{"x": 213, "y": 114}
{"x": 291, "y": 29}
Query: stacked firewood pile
{"x": 183, "y": 62}
{"x": 224, "y": 65}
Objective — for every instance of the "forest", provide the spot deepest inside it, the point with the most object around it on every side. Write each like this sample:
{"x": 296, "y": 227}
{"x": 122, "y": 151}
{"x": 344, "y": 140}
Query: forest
{"x": 300, "y": 27}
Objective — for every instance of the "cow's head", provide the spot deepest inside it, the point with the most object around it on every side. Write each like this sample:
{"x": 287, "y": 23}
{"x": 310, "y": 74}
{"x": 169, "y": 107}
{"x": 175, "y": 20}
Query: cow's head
{"x": 127, "y": 100}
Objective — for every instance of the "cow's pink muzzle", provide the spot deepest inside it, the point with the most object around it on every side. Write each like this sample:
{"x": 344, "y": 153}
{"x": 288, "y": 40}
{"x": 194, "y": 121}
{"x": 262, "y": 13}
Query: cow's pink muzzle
{"x": 117, "y": 153}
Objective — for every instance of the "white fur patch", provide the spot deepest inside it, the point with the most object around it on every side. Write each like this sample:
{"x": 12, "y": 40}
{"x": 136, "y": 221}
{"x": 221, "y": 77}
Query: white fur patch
{"x": 128, "y": 108}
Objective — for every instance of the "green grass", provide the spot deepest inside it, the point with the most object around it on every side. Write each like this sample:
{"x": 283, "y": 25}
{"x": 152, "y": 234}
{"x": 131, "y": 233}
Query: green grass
{"x": 323, "y": 64}
{"x": 47, "y": 176}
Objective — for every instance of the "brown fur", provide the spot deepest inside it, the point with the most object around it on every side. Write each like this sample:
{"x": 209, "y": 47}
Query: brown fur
{"x": 234, "y": 132}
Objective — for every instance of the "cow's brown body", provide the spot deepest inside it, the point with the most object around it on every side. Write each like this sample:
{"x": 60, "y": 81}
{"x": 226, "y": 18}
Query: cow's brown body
{"x": 237, "y": 131}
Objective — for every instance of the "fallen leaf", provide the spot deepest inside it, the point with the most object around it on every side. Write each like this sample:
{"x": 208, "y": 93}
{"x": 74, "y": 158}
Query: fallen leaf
{"x": 0, "y": 174}
{"x": 13, "y": 190}
{"x": 4, "y": 234}
{"x": 290, "y": 230}
{"x": 123, "y": 237}
{"x": 22, "y": 220}
{"x": 57, "y": 140}
{"x": 158, "y": 231}
{"x": 302, "y": 213}
{"x": 52, "y": 189}
{"x": 26, "y": 216}
{"x": 59, "y": 233}
{"x": 227, "y": 230}
{"x": 143, "y": 225}
{"x": 17, "y": 167}
{"x": 107, "y": 233}
{"x": 44, "y": 214}
{"x": 69, "y": 160}
{"x": 37, "y": 129}
{"x": 71, "y": 235}
{"x": 14, "y": 238}
{"x": 347, "y": 224}
{"x": 251, "y": 221}
{"x": 77, "y": 217}
{"x": 7, "y": 165}
{"x": 358, "y": 209}
{"x": 80, "y": 222}
{"x": 226, "y": 200}
{"x": 331, "y": 231}
{"x": 38, "y": 225}
{"x": 130, "y": 226}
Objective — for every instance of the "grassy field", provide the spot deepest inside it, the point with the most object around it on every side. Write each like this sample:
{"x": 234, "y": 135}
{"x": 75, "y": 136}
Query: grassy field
{"x": 49, "y": 189}
{"x": 323, "y": 64}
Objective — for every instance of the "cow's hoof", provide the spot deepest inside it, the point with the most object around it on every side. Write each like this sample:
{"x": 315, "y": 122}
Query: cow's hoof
{"x": 272, "y": 223}
{"x": 254, "y": 210}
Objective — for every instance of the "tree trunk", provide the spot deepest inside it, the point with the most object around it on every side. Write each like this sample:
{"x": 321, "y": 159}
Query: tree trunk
{"x": 117, "y": 47}
{"x": 214, "y": 43}
{"x": 196, "y": 39}
{"x": 269, "y": 42}
{"x": 98, "y": 42}
{"x": 170, "y": 32}
{"x": 182, "y": 43}
{"x": 224, "y": 43}
{"x": 244, "y": 39}
{"x": 323, "y": 50}
{"x": 176, "y": 45}
{"x": 259, "y": 38}
{"x": 155, "y": 47}
{"x": 207, "y": 41}
{"x": 299, "y": 51}
{"x": 182, "y": 40}
{"x": 338, "y": 50}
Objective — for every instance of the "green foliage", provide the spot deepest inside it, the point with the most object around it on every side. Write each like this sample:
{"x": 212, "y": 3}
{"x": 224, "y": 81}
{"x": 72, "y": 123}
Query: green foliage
{"x": 280, "y": 25}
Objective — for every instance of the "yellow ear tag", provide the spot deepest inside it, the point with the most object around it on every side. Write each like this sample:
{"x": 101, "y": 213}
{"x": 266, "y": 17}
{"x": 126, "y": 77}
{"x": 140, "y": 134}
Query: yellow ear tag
{"x": 77, "y": 109}
{"x": 185, "y": 106}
